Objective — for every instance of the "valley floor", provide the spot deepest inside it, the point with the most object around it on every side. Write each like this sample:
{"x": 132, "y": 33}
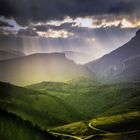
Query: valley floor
{"x": 117, "y": 127}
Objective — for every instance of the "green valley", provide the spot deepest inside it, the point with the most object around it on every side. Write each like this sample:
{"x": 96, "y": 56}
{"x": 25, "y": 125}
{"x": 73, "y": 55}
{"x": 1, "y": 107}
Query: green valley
{"x": 35, "y": 106}
{"x": 91, "y": 98}
{"x": 78, "y": 109}
{"x": 116, "y": 127}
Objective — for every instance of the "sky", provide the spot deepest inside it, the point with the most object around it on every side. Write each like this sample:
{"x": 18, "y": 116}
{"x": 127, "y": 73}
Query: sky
{"x": 82, "y": 29}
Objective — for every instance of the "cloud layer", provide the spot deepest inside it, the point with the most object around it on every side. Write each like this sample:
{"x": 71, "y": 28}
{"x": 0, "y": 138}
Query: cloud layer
{"x": 26, "y": 11}
{"x": 88, "y": 27}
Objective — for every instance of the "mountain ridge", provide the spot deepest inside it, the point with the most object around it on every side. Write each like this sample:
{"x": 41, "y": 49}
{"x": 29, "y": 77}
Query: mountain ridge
{"x": 111, "y": 66}
{"x": 41, "y": 67}
{"x": 10, "y": 54}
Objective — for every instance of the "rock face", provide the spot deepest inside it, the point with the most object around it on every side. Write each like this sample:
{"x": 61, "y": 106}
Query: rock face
{"x": 40, "y": 67}
{"x": 123, "y": 64}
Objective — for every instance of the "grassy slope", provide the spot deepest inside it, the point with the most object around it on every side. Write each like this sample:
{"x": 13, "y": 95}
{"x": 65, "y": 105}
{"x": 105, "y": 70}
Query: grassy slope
{"x": 107, "y": 100}
{"x": 94, "y": 99}
{"x": 41, "y": 109}
{"x": 119, "y": 126}
{"x": 14, "y": 128}
{"x": 89, "y": 99}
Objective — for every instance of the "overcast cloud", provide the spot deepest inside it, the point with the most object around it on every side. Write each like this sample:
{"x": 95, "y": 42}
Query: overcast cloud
{"x": 89, "y": 27}
{"x": 26, "y": 11}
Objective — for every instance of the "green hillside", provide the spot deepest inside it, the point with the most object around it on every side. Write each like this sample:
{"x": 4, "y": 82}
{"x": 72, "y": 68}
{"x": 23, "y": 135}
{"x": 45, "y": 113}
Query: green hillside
{"x": 90, "y": 98}
{"x": 39, "y": 108}
{"x": 117, "y": 127}
{"x": 14, "y": 128}
{"x": 106, "y": 99}
{"x": 50, "y": 105}
{"x": 60, "y": 89}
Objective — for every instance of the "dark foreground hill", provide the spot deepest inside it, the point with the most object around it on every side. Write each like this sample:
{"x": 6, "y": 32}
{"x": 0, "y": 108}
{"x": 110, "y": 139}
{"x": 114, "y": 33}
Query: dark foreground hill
{"x": 12, "y": 127}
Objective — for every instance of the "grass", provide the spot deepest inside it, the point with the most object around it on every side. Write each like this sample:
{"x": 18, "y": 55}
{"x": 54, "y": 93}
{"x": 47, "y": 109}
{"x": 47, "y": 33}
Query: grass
{"x": 90, "y": 98}
{"x": 118, "y": 123}
{"x": 41, "y": 109}
{"x": 120, "y": 126}
{"x": 52, "y": 105}
{"x": 14, "y": 128}
{"x": 117, "y": 136}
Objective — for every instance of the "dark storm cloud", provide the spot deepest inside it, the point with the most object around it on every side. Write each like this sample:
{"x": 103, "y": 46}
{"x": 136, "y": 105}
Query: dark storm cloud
{"x": 5, "y": 24}
{"x": 26, "y": 11}
{"x": 126, "y": 7}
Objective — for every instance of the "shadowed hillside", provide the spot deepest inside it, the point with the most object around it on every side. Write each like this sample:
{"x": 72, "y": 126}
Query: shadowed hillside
{"x": 12, "y": 127}
{"x": 39, "y": 108}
